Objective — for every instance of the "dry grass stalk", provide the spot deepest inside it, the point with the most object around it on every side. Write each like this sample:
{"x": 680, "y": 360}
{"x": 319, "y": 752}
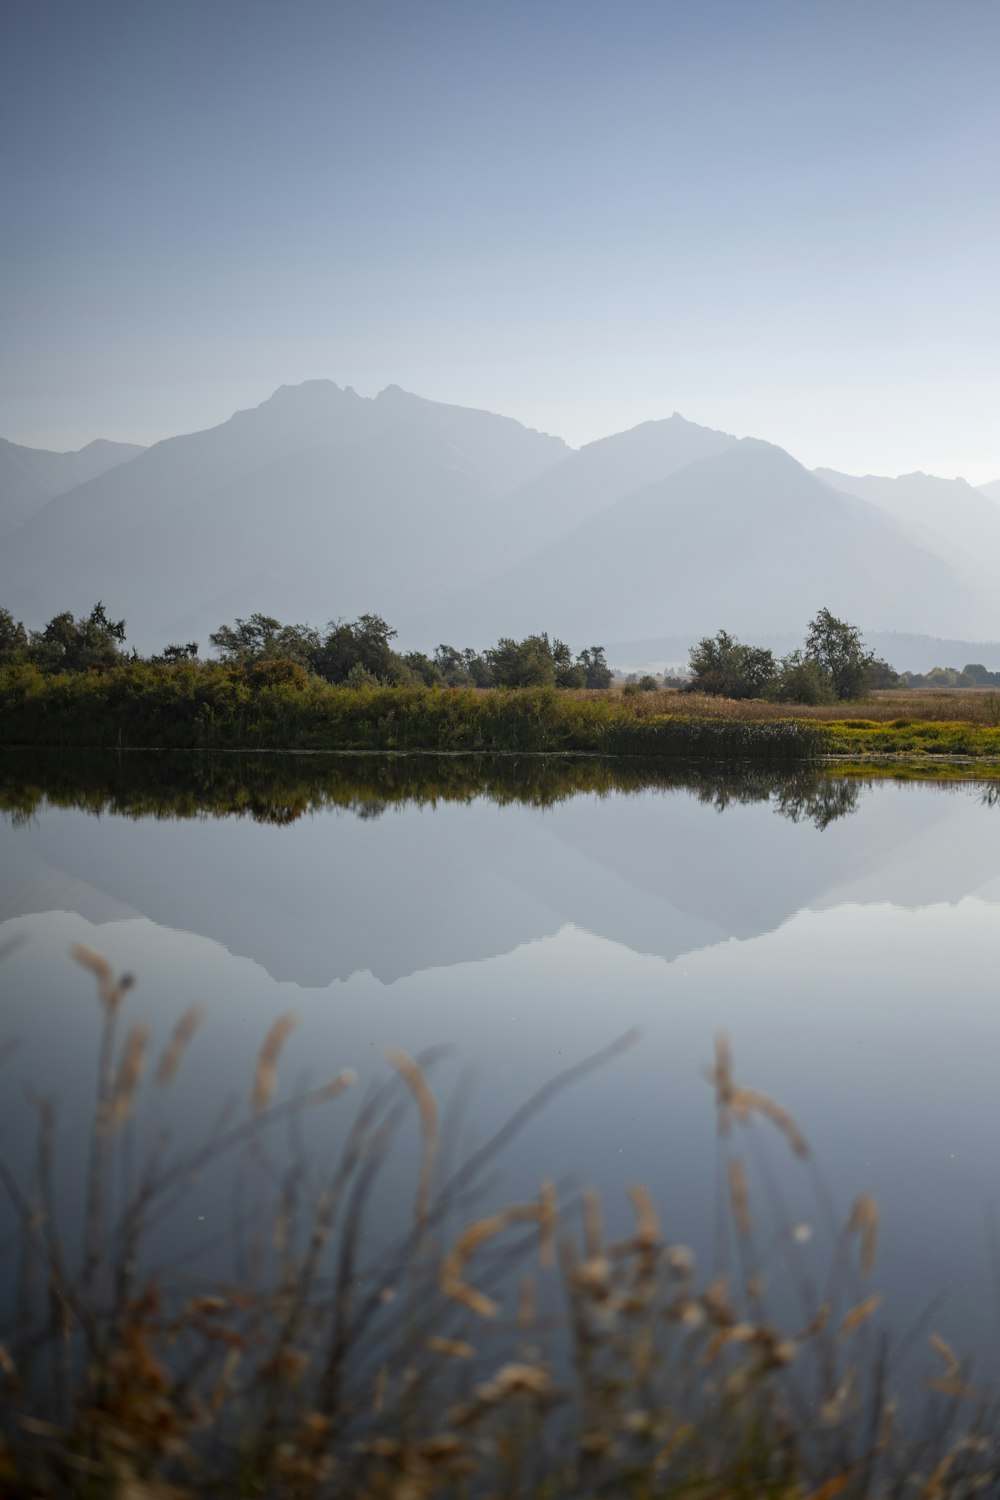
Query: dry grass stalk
{"x": 548, "y": 1207}
{"x": 344, "y": 1080}
{"x": 859, "y": 1314}
{"x": 647, "y": 1233}
{"x": 453, "y": 1283}
{"x": 947, "y": 1354}
{"x": 671, "y": 1389}
{"x": 750, "y": 1101}
{"x": 453, "y": 1348}
{"x": 427, "y": 1108}
{"x": 935, "y": 1488}
{"x": 111, "y": 991}
{"x": 955, "y": 1389}
{"x": 725, "y": 1088}
{"x": 526, "y": 1302}
{"x": 681, "y": 1435}
{"x": 223, "y": 1385}
{"x": 864, "y": 1221}
{"x": 180, "y": 1040}
{"x": 266, "y": 1077}
{"x": 129, "y": 1073}
{"x": 834, "y": 1486}
{"x": 817, "y": 1324}
{"x": 734, "y": 1103}
{"x": 739, "y": 1196}
{"x": 593, "y": 1223}
{"x": 832, "y": 1411}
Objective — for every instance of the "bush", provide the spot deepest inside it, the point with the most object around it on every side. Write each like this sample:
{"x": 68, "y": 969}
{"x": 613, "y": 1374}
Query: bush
{"x": 800, "y": 679}
{"x": 725, "y": 667}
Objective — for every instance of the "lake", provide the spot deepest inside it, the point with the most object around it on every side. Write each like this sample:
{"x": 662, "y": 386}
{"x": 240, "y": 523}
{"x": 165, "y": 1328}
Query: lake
{"x": 843, "y": 933}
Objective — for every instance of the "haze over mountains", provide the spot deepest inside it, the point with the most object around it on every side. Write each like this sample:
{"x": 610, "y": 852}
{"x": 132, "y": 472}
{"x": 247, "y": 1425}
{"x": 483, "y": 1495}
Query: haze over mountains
{"x": 30, "y": 476}
{"x": 460, "y": 525}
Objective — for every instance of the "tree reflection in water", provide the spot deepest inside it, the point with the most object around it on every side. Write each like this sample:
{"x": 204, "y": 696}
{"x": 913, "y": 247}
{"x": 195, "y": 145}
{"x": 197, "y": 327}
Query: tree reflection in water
{"x": 280, "y": 788}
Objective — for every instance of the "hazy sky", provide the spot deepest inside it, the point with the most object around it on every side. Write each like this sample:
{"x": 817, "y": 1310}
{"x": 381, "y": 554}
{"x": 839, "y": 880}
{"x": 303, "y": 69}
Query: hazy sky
{"x": 779, "y": 217}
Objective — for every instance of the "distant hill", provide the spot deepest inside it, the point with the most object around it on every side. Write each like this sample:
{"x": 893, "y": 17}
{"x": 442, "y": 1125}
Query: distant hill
{"x": 587, "y": 482}
{"x": 461, "y": 525}
{"x": 992, "y": 489}
{"x": 947, "y": 516}
{"x": 317, "y": 503}
{"x": 30, "y": 476}
{"x": 746, "y": 540}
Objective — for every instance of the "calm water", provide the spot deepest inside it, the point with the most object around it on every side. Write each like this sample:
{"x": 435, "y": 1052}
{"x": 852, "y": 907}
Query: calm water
{"x": 845, "y": 935}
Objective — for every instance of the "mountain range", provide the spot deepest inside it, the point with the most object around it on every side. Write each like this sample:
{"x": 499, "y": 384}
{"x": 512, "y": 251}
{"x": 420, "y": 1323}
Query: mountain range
{"x": 30, "y": 476}
{"x": 460, "y": 525}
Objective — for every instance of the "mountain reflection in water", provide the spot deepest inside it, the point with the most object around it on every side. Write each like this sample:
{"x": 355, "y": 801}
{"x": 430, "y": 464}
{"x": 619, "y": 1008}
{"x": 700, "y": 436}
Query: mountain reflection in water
{"x": 842, "y": 930}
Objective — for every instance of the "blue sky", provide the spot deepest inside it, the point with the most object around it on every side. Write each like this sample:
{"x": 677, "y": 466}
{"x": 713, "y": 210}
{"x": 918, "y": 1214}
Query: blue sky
{"x": 779, "y": 217}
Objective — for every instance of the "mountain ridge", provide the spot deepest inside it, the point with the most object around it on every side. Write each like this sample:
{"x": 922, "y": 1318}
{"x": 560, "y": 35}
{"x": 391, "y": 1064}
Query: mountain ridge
{"x": 29, "y": 477}
{"x": 459, "y": 524}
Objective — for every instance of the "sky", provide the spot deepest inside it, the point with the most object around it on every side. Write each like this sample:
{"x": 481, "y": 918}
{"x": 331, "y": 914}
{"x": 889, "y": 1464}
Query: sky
{"x": 778, "y": 217}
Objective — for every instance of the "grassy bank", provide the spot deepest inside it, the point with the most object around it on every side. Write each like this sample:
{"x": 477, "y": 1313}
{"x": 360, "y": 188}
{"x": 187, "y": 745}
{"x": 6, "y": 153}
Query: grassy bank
{"x": 215, "y": 707}
{"x": 479, "y": 1349}
{"x": 912, "y": 738}
{"x": 212, "y": 707}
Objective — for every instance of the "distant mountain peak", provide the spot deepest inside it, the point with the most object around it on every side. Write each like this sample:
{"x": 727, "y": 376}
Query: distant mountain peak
{"x": 321, "y": 501}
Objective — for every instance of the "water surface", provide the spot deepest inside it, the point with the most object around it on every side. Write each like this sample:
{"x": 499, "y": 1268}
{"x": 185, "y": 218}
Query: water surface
{"x": 844, "y": 935}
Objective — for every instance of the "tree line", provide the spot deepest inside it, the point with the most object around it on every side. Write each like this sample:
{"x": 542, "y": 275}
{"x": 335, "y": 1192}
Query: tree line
{"x": 359, "y": 653}
{"x": 833, "y": 665}
{"x": 972, "y": 675}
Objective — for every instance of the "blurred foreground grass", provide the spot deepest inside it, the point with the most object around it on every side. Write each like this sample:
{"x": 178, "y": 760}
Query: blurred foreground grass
{"x": 494, "y": 1350}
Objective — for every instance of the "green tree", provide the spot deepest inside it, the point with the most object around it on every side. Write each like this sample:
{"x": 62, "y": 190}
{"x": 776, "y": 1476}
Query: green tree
{"x": 13, "y": 638}
{"x": 724, "y": 666}
{"x": 527, "y": 663}
{"x": 263, "y": 638}
{"x": 171, "y": 655}
{"x": 363, "y": 642}
{"x": 596, "y": 672}
{"x": 800, "y": 679}
{"x": 568, "y": 673}
{"x": 77, "y": 645}
{"x": 884, "y": 676}
{"x": 839, "y": 649}
{"x": 451, "y": 667}
{"x": 479, "y": 670}
{"x": 422, "y": 668}
{"x": 981, "y": 675}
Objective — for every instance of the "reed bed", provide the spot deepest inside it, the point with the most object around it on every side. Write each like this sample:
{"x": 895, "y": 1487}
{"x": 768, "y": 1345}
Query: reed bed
{"x": 211, "y": 706}
{"x": 217, "y": 707}
{"x": 487, "y": 1350}
{"x": 980, "y": 706}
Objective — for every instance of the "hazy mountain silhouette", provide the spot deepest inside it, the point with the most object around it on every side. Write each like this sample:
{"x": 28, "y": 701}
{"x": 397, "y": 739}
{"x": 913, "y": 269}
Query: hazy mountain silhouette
{"x": 947, "y": 516}
{"x": 317, "y": 503}
{"x": 992, "y": 489}
{"x": 30, "y": 476}
{"x": 459, "y": 525}
{"x": 747, "y": 540}
{"x": 597, "y": 476}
